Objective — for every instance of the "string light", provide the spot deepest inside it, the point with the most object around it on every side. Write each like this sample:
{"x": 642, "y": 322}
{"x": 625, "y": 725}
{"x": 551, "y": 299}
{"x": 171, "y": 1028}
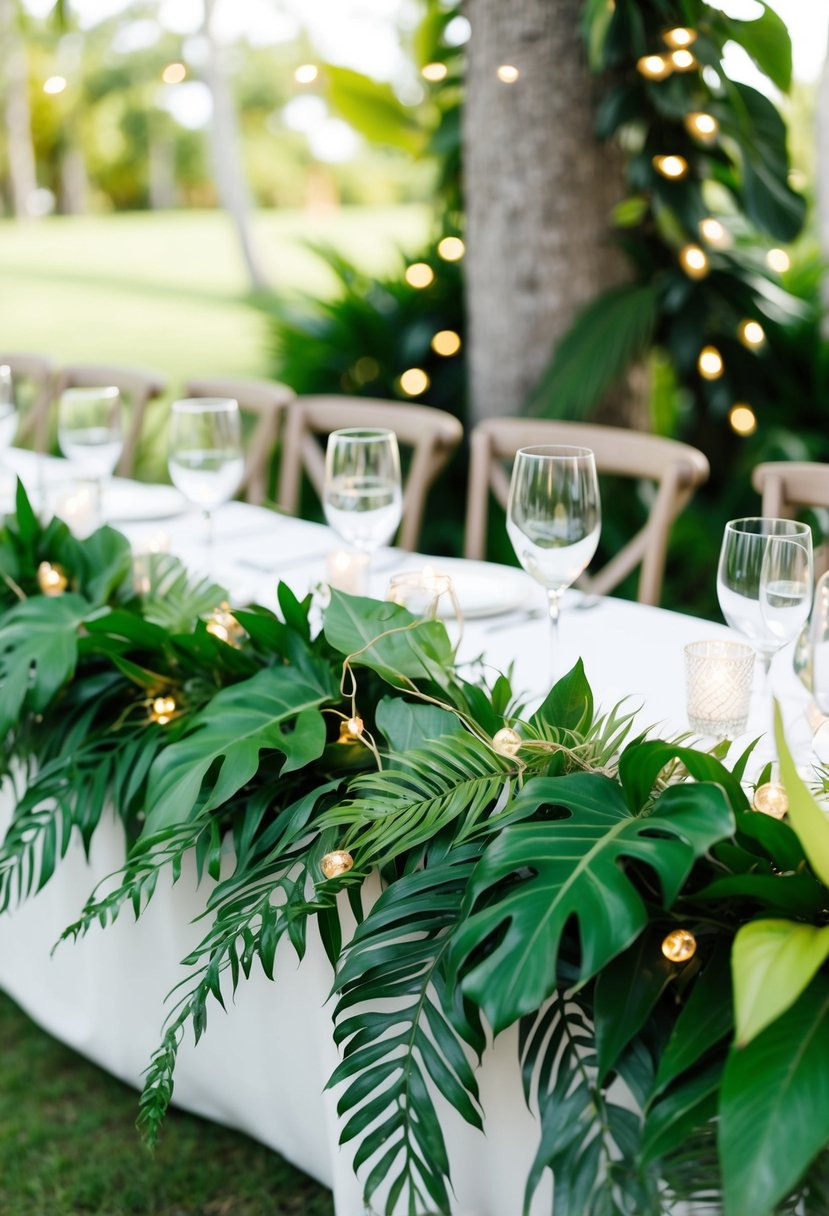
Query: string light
{"x": 336, "y": 863}
{"x": 654, "y": 67}
{"x": 771, "y": 799}
{"x": 507, "y": 73}
{"x": 714, "y": 232}
{"x": 680, "y": 36}
{"x": 306, "y": 73}
{"x": 683, "y": 61}
{"x": 451, "y": 248}
{"x": 751, "y": 334}
{"x": 222, "y": 624}
{"x": 679, "y": 946}
{"x": 702, "y": 126}
{"x": 434, "y": 72}
{"x": 672, "y": 167}
{"x": 779, "y": 260}
{"x": 174, "y": 73}
{"x": 414, "y": 381}
{"x": 446, "y": 342}
{"x": 51, "y": 579}
{"x": 710, "y": 363}
{"x": 742, "y": 419}
{"x": 694, "y": 261}
{"x": 54, "y": 85}
{"x": 162, "y": 710}
{"x": 419, "y": 274}
{"x": 506, "y": 741}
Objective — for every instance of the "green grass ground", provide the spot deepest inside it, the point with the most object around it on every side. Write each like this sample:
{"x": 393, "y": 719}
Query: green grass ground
{"x": 69, "y": 1147}
{"x": 168, "y": 289}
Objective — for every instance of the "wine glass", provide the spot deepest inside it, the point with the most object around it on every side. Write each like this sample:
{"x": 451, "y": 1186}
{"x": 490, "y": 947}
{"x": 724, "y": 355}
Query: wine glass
{"x": 554, "y": 518}
{"x": 205, "y": 455}
{"x": 90, "y": 434}
{"x": 8, "y": 410}
{"x": 362, "y": 495}
{"x": 764, "y": 582}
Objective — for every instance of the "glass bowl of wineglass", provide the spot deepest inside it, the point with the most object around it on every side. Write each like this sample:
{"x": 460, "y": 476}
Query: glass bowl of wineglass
{"x": 362, "y": 494}
{"x": 90, "y": 435}
{"x": 554, "y": 519}
{"x": 205, "y": 455}
{"x": 764, "y": 582}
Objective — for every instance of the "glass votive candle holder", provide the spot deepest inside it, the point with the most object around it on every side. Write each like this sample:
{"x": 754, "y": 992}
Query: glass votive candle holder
{"x": 348, "y": 571}
{"x": 146, "y": 562}
{"x": 428, "y": 594}
{"x": 718, "y": 679}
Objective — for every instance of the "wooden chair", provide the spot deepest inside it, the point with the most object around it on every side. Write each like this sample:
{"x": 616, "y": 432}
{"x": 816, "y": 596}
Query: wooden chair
{"x": 785, "y": 486}
{"x": 267, "y": 401}
{"x": 431, "y": 434}
{"x": 137, "y": 387}
{"x": 676, "y": 468}
{"x": 37, "y": 374}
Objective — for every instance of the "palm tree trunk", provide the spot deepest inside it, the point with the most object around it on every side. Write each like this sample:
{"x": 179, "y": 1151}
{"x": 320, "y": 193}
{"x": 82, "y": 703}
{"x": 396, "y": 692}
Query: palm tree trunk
{"x": 539, "y": 190}
{"x": 16, "y": 113}
{"x": 228, "y": 170}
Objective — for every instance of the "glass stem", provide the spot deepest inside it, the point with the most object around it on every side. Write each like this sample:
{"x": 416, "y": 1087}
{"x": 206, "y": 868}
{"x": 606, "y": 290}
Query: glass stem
{"x": 208, "y": 540}
{"x": 98, "y": 501}
{"x": 554, "y": 611}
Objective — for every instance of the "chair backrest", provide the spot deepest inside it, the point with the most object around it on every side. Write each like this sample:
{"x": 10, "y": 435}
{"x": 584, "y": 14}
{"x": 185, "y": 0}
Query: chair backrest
{"x": 786, "y": 485}
{"x": 137, "y": 386}
{"x": 267, "y": 401}
{"x": 676, "y": 468}
{"x": 38, "y": 372}
{"x": 431, "y": 434}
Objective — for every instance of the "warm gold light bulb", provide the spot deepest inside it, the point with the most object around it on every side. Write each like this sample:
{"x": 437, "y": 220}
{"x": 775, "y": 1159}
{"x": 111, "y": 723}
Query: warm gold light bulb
{"x": 306, "y": 73}
{"x": 414, "y": 381}
{"x": 751, "y": 334}
{"x": 434, "y": 72}
{"x": 451, "y": 248}
{"x": 163, "y": 709}
{"x": 680, "y": 36}
{"x": 710, "y": 363}
{"x": 507, "y": 73}
{"x": 771, "y": 799}
{"x": 506, "y": 741}
{"x": 654, "y": 67}
{"x": 51, "y": 579}
{"x": 702, "y": 126}
{"x": 679, "y": 946}
{"x": 714, "y": 232}
{"x": 222, "y": 624}
{"x": 778, "y": 260}
{"x": 683, "y": 61}
{"x": 446, "y": 342}
{"x": 694, "y": 261}
{"x": 336, "y": 863}
{"x": 742, "y": 419}
{"x": 419, "y": 274}
{"x": 672, "y": 167}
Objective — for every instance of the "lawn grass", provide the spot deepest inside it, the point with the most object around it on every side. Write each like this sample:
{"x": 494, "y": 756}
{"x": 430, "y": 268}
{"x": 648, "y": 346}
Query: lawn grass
{"x": 168, "y": 289}
{"x": 69, "y": 1146}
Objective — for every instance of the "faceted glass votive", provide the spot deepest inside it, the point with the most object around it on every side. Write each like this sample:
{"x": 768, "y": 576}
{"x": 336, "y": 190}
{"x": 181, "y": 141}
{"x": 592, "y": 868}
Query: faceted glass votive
{"x": 718, "y": 678}
{"x": 420, "y": 591}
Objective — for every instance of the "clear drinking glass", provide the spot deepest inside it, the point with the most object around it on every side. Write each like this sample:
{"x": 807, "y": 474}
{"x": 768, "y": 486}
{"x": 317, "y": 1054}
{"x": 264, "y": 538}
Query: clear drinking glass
{"x": 362, "y": 496}
{"x": 90, "y": 434}
{"x": 764, "y": 582}
{"x": 554, "y": 519}
{"x": 205, "y": 455}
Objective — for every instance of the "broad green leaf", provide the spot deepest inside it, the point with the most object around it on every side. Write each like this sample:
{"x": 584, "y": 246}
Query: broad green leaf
{"x": 569, "y": 703}
{"x": 38, "y": 652}
{"x": 537, "y": 876}
{"x": 774, "y": 1105}
{"x": 406, "y": 726}
{"x": 684, "y": 1109}
{"x": 372, "y": 108}
{"x": 773, "y": 961}
{"x": 806, "y": 817}
{"x": 705, "y": 1019}
{"x": 275, "y": 709}
{"x": 766, "y": 40}
{"x": 387, "y": 638}
{"x": 641, "y": 763}
{"x": 626, "y": 991}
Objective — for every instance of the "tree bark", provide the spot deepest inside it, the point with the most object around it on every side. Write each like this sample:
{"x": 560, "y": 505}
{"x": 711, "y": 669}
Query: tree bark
{"x": 228, "y": 170}
{"x": 16, "y": 112}
{"x": 539, "y": 191}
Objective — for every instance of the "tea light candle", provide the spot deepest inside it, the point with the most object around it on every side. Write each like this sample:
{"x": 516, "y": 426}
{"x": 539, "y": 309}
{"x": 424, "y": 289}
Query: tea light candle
{"x": 77, "y": 508}
{"x": 348, "y": 571}
{"x": 143, "y": 562}
{"x": 718, "y": 678}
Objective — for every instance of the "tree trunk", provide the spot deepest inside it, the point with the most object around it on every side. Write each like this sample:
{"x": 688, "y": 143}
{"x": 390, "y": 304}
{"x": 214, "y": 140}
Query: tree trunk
{"x": 822, "y": 166}
{"x": 539, "y": 191}
{"x": 228, "y": 170}
{"x": 74, "y": 182}
{"x": 16, "y": 113}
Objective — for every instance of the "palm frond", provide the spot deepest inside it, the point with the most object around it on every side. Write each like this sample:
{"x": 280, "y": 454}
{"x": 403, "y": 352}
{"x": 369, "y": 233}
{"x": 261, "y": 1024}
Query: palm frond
{"x": 177, "y": 599}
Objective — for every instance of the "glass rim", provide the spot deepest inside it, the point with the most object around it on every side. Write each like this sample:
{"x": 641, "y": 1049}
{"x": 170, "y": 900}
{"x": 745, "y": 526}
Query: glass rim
{"x": 556, "y": 451}
{"x": 204, "y": 405}
{"x": 90, "y": 392}
{"x": 720, "y": 648}
{"x": 363, "y": 434}
{"x": 793, "y": 527}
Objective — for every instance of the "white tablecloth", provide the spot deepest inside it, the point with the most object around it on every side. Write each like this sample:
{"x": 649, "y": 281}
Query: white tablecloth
{"x": 262, "y": 1067}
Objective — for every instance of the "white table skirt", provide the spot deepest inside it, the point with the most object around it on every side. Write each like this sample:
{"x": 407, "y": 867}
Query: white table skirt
{"x": 262, "y": 1067}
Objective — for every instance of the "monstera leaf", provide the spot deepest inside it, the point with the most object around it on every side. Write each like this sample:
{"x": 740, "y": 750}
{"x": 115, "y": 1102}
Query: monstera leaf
{"x": 538, "y": 875}
{"x": 38, "y": 652}
{"x": 277, "y": 709}
{"x": 388, "y": 639}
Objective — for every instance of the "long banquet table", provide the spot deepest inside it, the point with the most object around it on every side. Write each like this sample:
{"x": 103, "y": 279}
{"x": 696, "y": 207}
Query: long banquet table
{"x": 263, "y": 1067}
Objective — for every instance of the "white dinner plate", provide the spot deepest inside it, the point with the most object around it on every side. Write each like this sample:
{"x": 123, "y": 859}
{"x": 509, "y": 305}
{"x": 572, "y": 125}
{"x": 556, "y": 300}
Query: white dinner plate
{"x": 125, "y": 502}
{"x": 483, "y": 589}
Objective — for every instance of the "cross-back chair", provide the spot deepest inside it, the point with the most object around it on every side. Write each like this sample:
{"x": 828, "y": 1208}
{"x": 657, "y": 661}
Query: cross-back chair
{"x": 36, "y": 373}
{"x": 266, "y": 401}
{"x": 137, "y": 386}
{"x": 431, "y": 434}
{"x": 787, "y": 485}
{"x": 675, "y": 468}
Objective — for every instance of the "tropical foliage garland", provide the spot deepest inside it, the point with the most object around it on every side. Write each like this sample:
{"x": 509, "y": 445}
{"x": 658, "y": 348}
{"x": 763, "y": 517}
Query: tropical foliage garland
{"x": 544, "y": 868}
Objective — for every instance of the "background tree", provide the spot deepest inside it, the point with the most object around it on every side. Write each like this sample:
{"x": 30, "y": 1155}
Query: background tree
{"x": 14, "y": 91}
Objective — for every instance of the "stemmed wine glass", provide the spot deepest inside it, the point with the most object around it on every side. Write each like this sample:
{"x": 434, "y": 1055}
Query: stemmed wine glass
{"x": 362, "y": 495}
{"x": 205, "y": 455}
{"x": 764, "y": 582}
{"x": 554, "y": 518}
{"x": 90, "y": 434}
